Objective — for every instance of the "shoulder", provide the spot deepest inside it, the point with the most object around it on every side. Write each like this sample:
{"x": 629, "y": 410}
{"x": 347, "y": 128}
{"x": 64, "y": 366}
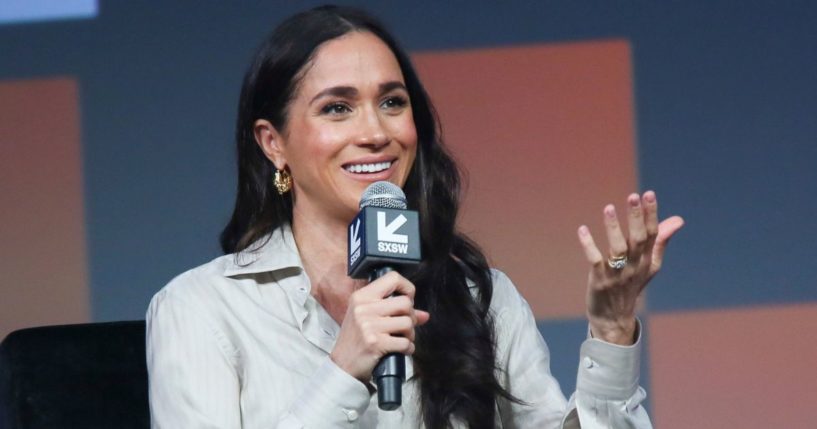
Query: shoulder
{"x": 506, "y": 301}
{"x": 505, "y": 296}
{"x": 196, "y": 287}
{"x": 514, "y": 322}
{"x": 191, "y": 313}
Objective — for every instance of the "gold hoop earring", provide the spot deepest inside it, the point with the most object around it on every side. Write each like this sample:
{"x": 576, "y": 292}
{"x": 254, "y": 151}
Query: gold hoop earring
{"x": 282, "y": 181}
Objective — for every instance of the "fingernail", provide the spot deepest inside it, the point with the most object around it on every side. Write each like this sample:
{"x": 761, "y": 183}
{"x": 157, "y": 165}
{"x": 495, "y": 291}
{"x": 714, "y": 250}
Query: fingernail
{"x": 583, "y": 230}
{"x": 610, "y": 211}
{"x": 649, "y": 196}
{"x": 634, "y": 200}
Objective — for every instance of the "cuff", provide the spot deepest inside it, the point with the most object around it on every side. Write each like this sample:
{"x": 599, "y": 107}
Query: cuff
{"x": 609, "y": 370}
{"x": 331, "y": 398}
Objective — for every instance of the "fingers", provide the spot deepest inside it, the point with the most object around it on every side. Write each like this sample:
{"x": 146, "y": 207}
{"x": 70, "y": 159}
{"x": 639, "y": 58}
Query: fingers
{"x": 591, "y": 251}
{"x": 398, "y": 325}
{"x": 391, "y": 283}
{"x": 650, "y": 204}
{"x": 399, "y": 305}
{"x": 642, "y": 222}
{"x": 384, "y": 309}
{"x": 396, "y": 335}
{"x": 385, "y": 344}
{"x": 398, "y": 345}
{"x": 422, "y": 317}
{"x": 380, "y": 319}
{"x": 389, "y": 295}
{"x": 636, "y": 226}
{"x": 615, "y": 237}
{"x": 395, "y": 305}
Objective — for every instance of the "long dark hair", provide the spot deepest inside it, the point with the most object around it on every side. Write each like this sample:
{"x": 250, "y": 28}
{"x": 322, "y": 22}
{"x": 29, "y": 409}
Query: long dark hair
{"x": 455, "y": 354}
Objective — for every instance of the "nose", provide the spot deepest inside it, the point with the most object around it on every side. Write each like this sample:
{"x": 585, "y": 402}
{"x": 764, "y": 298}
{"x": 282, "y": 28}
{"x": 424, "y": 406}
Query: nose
{"x": 372, "y": 132}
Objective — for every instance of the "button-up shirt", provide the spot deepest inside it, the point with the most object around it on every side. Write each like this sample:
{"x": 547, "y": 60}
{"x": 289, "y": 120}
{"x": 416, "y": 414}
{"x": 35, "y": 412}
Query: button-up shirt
{"x": 240, "y": 342}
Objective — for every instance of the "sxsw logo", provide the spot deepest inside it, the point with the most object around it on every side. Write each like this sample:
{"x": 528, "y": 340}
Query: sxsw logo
{"x": 354, "y": 241}
{"x": 388, "y": 240}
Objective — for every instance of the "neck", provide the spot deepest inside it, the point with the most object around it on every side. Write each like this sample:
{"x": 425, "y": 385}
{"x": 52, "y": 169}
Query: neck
{"x": 322, "y": 245}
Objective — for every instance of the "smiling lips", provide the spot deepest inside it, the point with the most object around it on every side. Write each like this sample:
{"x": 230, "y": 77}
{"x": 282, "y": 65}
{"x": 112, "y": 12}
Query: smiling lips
{"x": 374, "y": 167}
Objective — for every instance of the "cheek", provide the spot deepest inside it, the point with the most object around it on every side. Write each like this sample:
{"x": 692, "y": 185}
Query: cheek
{"x": 406, "y": 132}
{"x": 321, "y": 142}
{"x": 407, "y": 135}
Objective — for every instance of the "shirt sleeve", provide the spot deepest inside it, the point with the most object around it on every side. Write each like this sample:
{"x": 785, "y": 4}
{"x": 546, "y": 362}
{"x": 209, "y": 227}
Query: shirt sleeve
{"x": 607, "y": 393}
{"x": 195, "y": 377}
{"x": 331, "y": 399}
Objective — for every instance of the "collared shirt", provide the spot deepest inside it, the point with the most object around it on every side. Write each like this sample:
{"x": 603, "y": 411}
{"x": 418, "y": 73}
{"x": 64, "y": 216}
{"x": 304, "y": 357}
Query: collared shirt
{"x": 240, "y": 342}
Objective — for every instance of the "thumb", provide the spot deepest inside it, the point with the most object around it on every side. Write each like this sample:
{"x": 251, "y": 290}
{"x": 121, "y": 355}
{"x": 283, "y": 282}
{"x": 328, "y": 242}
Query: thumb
{"x": 666, "y": 229}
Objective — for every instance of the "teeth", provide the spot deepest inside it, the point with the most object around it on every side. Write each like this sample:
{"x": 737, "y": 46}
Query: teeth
{"x": 368, "y": 168}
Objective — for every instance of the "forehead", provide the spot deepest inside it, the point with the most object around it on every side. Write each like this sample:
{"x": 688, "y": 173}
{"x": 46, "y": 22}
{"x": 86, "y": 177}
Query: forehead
{"x": 357, "y": 59}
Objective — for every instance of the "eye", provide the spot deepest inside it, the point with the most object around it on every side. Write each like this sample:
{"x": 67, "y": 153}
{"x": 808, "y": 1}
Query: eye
{"x": 394, "y": 102}
{"x": 335, "y": 108}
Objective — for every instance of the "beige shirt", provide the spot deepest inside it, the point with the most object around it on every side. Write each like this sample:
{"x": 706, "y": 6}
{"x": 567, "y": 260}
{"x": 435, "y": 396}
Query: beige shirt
{"x": 243, "y": 344}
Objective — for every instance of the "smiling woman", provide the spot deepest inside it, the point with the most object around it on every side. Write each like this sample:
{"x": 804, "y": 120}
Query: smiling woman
{"x": 275, "y": 334}
{"x": 348, "y": 125}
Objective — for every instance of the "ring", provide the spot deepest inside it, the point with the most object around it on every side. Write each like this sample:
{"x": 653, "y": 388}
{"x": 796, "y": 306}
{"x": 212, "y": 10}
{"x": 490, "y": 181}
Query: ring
{"x": 617, "y": 262}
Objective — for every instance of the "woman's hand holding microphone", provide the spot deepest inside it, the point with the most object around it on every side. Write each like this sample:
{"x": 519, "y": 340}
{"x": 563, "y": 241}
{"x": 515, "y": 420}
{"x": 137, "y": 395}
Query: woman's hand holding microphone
{"x": 377, "y": 323}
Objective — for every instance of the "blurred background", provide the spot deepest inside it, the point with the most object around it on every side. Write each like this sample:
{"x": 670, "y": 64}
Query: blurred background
{"x": 117, "y": 169}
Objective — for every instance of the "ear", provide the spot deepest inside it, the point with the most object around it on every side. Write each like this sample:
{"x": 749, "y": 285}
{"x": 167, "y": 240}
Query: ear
{"x": 271, "y": 142}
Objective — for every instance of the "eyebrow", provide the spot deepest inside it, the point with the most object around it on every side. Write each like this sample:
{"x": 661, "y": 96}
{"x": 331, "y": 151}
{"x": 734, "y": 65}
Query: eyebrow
{"x": 392, "y": 85}
{"x": 336, "y": 91}
{"x": 350, "y": 91}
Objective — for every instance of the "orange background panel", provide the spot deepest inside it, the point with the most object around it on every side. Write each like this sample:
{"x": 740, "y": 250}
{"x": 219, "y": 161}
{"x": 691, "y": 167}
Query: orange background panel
{"x": 545, "y": 133}
{"x": 43, "y": 257}
{"x": 751, "y": 368}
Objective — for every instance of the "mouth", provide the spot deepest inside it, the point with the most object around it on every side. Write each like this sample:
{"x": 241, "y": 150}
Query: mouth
{"x": 368, "y": 168}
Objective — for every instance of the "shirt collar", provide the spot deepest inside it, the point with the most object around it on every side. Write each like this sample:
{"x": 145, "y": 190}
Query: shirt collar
{"x": 275, "y": 251}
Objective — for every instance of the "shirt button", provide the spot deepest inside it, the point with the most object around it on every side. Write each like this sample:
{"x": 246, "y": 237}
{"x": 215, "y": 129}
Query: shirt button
{"x": 588, "y": 363}
{"x": 351, "y": 415}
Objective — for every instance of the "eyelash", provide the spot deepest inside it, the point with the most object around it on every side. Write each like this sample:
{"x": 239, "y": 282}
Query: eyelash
{"x": 338, "y": 108}
{"x": 397, "y": 102}
{"x": 331, "y": 109}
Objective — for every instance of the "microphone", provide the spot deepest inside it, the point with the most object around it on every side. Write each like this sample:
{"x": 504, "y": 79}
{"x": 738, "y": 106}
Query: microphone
{"x": 383, "y": 237}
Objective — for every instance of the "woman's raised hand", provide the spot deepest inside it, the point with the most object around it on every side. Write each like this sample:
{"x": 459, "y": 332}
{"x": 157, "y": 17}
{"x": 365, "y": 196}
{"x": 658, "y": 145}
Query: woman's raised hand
{"x": 377, "y": 323}
{"x": 616, "y": 280}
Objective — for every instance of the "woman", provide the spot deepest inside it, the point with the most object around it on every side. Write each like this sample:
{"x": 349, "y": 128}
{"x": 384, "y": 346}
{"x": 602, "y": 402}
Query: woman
{"x": 275, "y": 334}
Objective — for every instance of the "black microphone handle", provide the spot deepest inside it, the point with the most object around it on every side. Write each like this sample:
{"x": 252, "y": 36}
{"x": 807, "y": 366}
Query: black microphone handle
{"x": 390, "y": 372}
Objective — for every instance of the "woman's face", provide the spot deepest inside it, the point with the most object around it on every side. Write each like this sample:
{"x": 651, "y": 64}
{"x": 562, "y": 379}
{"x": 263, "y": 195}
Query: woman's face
{"x": 349, "y": 124}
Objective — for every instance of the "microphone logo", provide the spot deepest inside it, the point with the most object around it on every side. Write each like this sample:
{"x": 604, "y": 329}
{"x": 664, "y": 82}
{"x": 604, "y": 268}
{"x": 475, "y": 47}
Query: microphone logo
{"x": 387, "y": 238}
{"x": 354, "y": 241}
{"x": 387, "y": 232}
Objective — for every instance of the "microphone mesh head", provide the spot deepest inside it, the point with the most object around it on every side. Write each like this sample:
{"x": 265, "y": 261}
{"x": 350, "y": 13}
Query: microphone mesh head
{"x": 383, "y": 194}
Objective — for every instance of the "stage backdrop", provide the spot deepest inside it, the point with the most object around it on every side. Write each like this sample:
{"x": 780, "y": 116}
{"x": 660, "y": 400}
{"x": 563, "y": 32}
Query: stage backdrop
{"x": 117, "y": 167}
